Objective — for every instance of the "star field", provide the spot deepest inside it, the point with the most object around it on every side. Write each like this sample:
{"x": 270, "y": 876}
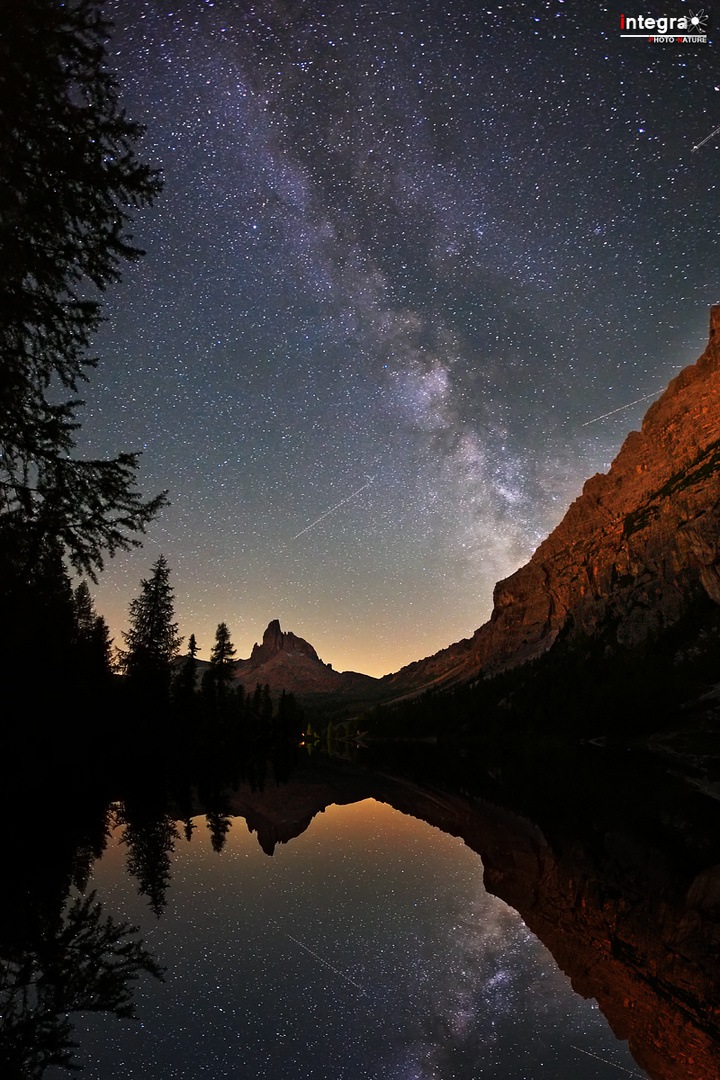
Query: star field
{"x": 405, "y": 252}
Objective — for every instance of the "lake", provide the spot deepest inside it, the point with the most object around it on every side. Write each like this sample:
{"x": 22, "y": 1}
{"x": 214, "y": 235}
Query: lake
{"x": 349, "y": 935}
{"x": 367, "y": 947}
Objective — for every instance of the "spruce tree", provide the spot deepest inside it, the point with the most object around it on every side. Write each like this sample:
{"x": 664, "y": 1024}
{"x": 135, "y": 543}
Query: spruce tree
{"x": 186, "y": 678}
{"x": 266, "y": 713}
{"x": 101, "y": 648}
{"x": 91, "y": 642}
{"x": 152, "y": 640}
{"x": 222, "y": 664}
{"x": 69, "y": 181}
{"x": 85, "y": 614}
{"x": 289, "y": 717}
{"x": 38, "y": 614}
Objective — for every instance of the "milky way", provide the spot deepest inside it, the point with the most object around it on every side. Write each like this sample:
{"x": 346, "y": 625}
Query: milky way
{"x": 425, "y": 243}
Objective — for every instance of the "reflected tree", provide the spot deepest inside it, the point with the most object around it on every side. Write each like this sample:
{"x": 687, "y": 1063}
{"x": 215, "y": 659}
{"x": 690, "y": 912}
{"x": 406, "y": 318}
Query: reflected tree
{"x": 217, "y": 813}
{"x": 219, "y": 822}
{"x": 84, "y": 961}
{"x": 150, "y": 833}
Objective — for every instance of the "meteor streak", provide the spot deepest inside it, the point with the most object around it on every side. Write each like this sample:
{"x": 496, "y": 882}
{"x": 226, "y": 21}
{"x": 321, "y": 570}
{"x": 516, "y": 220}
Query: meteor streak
{"x": 331, "y": 511}
{"x": 707, "y": 138}
{"x": 606, "y": 1061}
{"x": 312, "y": 953}
{"x": 620, "y": 409}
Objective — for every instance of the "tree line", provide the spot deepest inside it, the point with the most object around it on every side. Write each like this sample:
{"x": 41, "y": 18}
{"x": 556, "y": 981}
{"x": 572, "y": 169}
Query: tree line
{"x": 86, "y": 693}
{"x": 71, "y": 181}
{"x": 158, "y": 679}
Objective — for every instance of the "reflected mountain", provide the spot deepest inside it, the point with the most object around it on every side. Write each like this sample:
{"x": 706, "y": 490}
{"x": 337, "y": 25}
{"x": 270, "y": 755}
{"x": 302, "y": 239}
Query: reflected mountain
{"x": 611, "y": 861}
{"x": 620, "y": 882}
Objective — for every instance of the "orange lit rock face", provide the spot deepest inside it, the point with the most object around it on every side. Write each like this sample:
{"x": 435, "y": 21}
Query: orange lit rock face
{"x": 638, "y": 543}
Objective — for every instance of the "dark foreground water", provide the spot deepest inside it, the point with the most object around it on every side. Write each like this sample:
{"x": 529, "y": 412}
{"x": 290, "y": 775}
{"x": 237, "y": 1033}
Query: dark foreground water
{"x": 365, "y": 947}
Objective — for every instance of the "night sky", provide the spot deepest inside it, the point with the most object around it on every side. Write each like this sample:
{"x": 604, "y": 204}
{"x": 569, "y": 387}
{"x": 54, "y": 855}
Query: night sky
{"x": 404, "y": 255}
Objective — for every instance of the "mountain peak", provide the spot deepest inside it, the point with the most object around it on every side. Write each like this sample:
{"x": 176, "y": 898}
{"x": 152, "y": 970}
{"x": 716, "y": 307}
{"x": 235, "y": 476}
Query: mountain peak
{"x": 287, "y": 662}
{"x": 275, "y": 641}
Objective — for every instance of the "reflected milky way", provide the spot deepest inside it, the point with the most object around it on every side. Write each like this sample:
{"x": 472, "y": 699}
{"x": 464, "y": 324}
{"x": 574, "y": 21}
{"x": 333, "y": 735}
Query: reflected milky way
{"x": 406, "y": 968}
{"x": 424, "y": 243}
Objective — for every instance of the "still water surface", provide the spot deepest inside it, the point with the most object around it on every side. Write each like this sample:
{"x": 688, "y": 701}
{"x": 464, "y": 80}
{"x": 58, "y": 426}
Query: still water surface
{"x": 364, "y": 949}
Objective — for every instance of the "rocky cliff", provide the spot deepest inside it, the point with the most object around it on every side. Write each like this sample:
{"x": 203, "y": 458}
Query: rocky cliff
{"x": 287, "y": 662}
{"x": 275, "y": 642}
{"x": 632, "y": 551}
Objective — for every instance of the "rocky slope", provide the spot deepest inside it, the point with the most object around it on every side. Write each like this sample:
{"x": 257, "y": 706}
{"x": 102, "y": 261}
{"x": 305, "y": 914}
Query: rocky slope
{"x": 633, "y": 550}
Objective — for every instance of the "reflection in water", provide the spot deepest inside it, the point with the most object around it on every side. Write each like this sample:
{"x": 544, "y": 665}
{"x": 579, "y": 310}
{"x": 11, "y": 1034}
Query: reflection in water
{"x": 150, "y": 832}
{"x": 494, "y": 983}
{"x": 84, "y": 960}
{"x": 366, "y": 947}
